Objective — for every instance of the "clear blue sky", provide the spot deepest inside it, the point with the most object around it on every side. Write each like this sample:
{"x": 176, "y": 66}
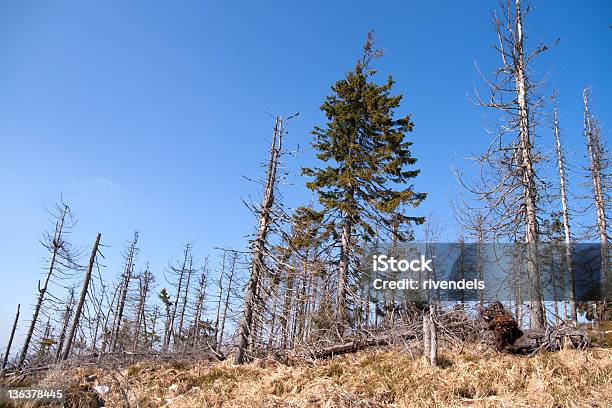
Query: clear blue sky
{"x": 146, "y": 114}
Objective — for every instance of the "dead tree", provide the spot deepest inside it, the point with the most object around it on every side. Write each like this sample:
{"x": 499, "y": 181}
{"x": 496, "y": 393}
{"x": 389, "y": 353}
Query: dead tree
{"x": 65, "y": 322}
{"x": 124, "y": 288}
{"x": 45, "y": 342}
{"x": 509, "y": 184}
{"x": 287, "y": 309}
{"x": 599, "y": 163}
{"x": 259, "y": 244}
{"x": 179, "y": 273}
{"x": 199, "y": 304}
{"x": 565, "y": 213}
{"x": 144, "y": 287}
{"x": 426, "y": 335}
{"x": 230, "y": 280}
{"x": 189, "y": 273}
{"x": 433, "y": 351}
{"x": 82, "y": 297}
{"x": 61, "y": 255}
{"x": 106, "y": 332}
{"x": 10, "y": 342}
{"x": 220, "y": 299}
{"x": 474, "y": 224}
{"x": 99, "y": 317}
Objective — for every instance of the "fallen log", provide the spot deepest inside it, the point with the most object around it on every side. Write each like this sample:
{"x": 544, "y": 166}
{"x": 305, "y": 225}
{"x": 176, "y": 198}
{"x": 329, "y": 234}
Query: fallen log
{"x": 360, "y": 344}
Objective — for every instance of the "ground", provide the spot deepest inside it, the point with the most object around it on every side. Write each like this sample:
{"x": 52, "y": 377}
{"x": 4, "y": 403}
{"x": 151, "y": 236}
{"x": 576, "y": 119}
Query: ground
{"x": 469, "y": 376}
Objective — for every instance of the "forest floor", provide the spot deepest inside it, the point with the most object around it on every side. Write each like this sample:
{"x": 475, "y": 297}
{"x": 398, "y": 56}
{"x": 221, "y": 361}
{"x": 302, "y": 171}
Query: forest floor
{"x": 470, "y": 376}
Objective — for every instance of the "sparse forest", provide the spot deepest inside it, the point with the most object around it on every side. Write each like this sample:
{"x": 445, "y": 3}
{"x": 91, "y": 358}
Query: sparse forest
{"x": 299, "y": 302}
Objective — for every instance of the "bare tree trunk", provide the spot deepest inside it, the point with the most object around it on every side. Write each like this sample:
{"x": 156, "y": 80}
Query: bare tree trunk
{"x": 273, "y": 294}
{"x": 99, "y": 319}
{"x": 532, "y": 236}
{"x": 106, "y": 334}
{"x": 57, "y": 242}
{"x": 10, "y": 342}
{"x": 343, "y": 272}
{"x": 65, "y": 323}
{"x": 199, "y": 308}
{"x": 181, "y": 274}
{"x": 518, "y": 306}
{"x": 127, "y": 276}
{"x": 480, "y": 251}
{"x": 230, "y": 279}
{"x": 565, "y": 213}
{"x": 141, "y": 320}
{"x": 79, "y": 308}
{"x": 433, "y": 353}
{"x": 139, "y": 312}
{"x": 595, "y": 151}
{"x": 309, "y": 306}
{"x": 426, "y": 335}
{"x": 288, "y": 300}
{"x": 189, "y": 271}
{"x": 301, "y": 307}
{"x": 45, "y": 343}
{"x": 259, "y": 244}
{"x": 218, "y": 318}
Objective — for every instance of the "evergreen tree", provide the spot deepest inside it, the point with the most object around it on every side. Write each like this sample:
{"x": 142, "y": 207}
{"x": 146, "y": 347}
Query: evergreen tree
{"x": 366, "y": 184}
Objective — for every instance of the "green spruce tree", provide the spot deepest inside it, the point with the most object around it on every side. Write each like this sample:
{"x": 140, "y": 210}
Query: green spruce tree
{"x": 366, "y": 185}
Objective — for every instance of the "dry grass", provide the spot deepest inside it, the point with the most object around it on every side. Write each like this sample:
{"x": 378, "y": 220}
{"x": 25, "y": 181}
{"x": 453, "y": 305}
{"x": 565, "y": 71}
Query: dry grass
{"x": 388, "y": 378}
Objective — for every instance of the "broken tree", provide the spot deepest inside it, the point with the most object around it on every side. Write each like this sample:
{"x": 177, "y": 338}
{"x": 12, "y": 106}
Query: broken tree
{"x": 79, "y": 307}
{"x": 259, "y": 244}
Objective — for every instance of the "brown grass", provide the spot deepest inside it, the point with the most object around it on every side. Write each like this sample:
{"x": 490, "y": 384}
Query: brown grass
{"x": 390, "y": 378}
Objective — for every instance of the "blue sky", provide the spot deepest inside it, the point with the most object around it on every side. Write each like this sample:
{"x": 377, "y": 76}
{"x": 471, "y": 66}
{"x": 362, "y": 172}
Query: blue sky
{"x": 146, "y": 114}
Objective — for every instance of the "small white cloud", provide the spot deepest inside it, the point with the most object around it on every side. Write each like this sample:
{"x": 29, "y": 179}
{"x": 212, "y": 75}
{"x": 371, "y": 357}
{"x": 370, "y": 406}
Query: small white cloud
{"x": 105, "y": 183}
